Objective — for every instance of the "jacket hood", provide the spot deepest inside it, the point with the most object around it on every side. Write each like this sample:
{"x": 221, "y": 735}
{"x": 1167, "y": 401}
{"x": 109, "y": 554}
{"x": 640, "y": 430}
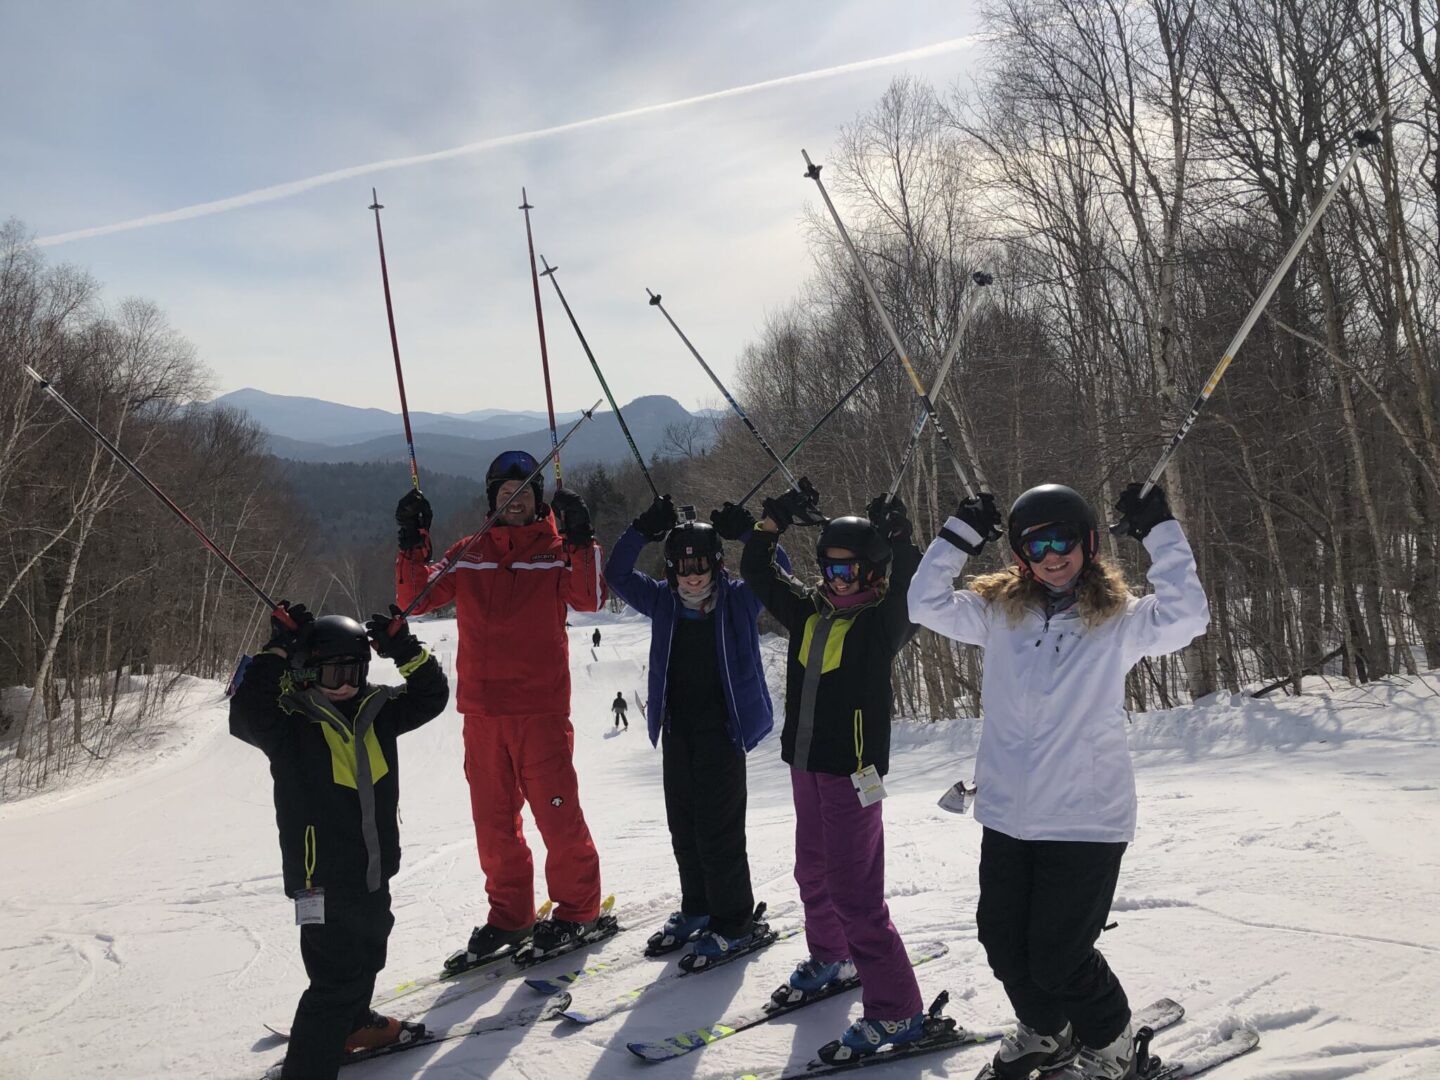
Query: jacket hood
{"x": 1102, "y": 592}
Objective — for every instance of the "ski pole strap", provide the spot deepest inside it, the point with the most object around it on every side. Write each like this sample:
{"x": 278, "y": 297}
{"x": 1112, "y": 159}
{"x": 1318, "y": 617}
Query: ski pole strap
{"x": 950, "y": 535}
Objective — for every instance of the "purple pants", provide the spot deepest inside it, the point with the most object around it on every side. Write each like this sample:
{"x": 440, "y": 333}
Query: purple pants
{"x": 840, "y": 868}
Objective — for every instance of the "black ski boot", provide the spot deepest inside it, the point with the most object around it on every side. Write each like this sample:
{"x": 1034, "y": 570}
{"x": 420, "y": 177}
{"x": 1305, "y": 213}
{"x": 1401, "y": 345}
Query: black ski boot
{"x": 487, "y": 943}
{"x": 555, "y": 934}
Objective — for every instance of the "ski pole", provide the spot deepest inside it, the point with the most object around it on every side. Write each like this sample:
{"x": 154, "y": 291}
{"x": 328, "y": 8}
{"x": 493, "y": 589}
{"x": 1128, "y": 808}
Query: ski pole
{"x": 765, "y": 446}
{"x": 135, "y": 470}
{"x": 812, "y": 172}
{"x": 1368, "y": 136}
{"x": 817, "y": 426}
{"x": 980, "y": 278}
{"x": 376, "y": 206}
{"x": 500, "y": 508}
{"x": 549, "y": 272}
{"x": 540, "y": 322}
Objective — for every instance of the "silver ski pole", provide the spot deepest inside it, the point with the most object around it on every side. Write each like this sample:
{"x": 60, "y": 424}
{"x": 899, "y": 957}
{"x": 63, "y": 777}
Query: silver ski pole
{"x": 970, "y": 303}
{"x": 812, "y": 172}
{"x": 1369, "y": 136}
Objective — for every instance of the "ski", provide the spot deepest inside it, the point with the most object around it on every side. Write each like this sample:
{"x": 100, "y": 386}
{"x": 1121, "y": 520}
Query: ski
{"x": 1238, "y": 1042}
{"x": 479, "y": 970}
{"x": 628, "y": 999}
{"x": 942, "y": 1034}
{"x": 545, "y": 1010}
{"x": 683, "y": 1042}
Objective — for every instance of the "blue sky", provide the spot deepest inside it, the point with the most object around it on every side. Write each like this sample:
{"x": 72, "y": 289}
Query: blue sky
{"x": 133, "y": 109}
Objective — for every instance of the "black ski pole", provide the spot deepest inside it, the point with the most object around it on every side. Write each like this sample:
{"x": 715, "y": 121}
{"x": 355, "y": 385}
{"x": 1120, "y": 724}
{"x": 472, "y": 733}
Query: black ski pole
{"x": 1368, "y": 136}
{"x": 540, "y": 322}
{"x": 816, "y": 426}
{"x": 981, "y": 279}
{"x": 135, "y": 470}
{"x": 812, "y": 172}
{"x": 376, "y": 206}
{"x": 500, "y": 508}
{"x": 765, "y": 446}
{"x": 549, "y": 272}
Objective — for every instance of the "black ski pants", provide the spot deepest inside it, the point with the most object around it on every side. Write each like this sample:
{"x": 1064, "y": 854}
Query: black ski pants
{"x": 705, "y": 808}
{"x": 342, "y": 958}
{"x": 1042, "y": 906}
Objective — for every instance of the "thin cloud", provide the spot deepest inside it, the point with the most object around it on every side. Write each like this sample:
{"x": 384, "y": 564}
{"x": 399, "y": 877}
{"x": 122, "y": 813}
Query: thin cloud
{"x": 295, "y": 187}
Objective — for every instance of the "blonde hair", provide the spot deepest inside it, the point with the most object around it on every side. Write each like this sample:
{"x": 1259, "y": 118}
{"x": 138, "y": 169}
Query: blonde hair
{"x": 1101, "y": 594}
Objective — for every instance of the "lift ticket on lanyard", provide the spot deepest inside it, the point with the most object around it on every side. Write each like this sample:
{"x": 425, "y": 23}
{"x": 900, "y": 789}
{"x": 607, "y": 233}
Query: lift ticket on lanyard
{"x": 868, "y": 785}
{"x": 310, "y": 907}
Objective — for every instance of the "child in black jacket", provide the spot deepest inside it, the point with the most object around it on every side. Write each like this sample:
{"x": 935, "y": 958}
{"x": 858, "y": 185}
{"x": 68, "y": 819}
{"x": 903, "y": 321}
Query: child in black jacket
{"x": 331, "y": 741}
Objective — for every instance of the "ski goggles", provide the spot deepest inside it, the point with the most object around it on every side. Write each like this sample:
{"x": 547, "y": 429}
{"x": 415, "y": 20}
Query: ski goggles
{"x": 693, "y": 565}
{"x": 846, "y": 570}
{"x": 1061, "y": 539}
{"x": 339, "y": 673}
{"x": 514, "y": 465}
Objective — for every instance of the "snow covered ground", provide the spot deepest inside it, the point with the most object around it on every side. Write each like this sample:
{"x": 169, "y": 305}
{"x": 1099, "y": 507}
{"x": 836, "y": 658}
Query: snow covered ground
{"x": 1286, "y": 874}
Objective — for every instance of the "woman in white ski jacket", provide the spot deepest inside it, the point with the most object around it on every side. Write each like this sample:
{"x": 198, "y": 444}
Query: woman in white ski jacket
{"x": 1056, "y": 791}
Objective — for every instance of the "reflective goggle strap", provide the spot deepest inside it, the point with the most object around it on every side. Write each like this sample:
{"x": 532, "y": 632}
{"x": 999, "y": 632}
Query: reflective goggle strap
{"x": 309, "y": 854}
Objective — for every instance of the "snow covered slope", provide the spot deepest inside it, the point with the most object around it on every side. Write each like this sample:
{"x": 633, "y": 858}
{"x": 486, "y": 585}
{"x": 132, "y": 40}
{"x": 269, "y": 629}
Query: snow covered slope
{"x": 1286, "y": 874}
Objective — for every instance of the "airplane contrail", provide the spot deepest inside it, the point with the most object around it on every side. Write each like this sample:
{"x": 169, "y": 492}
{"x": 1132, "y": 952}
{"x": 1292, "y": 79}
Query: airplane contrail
{"x": 295, "y": 187}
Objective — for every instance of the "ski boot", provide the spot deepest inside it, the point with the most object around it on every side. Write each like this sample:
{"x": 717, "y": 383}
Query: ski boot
{"x": 866, "y": 1036}
{"x": 554, "y": 935}
{"x": 1114, "y": 1061}
{"x": 382, "y": 1031}
{"x": 812, "y": 977}
{"x": 487, "y": 943}
{"x": 679, "y": 929}
{"x": 1027, "y": 1051}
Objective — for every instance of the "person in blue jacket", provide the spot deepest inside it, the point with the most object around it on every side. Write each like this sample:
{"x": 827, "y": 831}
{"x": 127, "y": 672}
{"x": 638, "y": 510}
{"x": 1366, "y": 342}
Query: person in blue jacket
{"x": 708, "y": 706}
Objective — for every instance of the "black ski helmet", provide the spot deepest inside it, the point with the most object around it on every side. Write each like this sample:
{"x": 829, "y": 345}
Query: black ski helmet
{"x": 857, "y": 534}
{"x": 1054, "y": 504}
{"x": 690, "y": 539}
{"x": 331, "y": 637}
{"x": 513, "y": 465}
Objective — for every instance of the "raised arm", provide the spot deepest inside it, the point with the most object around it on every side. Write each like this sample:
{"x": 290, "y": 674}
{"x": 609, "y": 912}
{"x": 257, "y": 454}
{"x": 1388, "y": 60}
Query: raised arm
{"x": 933, "y": 599}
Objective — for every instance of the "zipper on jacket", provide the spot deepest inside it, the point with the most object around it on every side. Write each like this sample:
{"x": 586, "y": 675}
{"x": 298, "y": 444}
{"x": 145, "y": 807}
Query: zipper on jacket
{"x": 310, "y": 855}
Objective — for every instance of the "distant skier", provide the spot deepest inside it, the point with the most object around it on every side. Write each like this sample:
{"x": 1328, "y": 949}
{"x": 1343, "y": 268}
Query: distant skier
{"x": 711, "y": 707}
{"x": 844, "y": 636}
{"x": 510, "y": 593}
{"x": 1056, "y": 791}
{"x": 595, "y": 638}
{"x": 331, "y": 740}
{"x": 618, "y": 708}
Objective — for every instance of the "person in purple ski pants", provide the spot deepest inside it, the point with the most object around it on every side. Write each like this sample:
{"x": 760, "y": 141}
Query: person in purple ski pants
{"x": 844, "y": 635}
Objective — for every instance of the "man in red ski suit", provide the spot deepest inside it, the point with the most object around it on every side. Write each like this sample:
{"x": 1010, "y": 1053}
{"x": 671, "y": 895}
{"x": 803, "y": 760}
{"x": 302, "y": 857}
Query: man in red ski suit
{"x": 512, "y": 673}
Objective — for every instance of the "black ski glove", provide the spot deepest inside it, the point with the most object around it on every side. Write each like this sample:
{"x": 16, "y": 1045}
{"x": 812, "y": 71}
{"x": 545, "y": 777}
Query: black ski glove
{"x": 390, "y": 636}
{"x": 795, "y": 507}
{"x": 289, "y": 626}
{"x": 658, "y": 519}
{"x": 1138, "y": 516}
{"x": 413, "y": 515}
{"x": 890, "y": 517}
{"x": 982, "y": 515}
{"x": 572, "y": 518}
{"x": 732, "y": 522}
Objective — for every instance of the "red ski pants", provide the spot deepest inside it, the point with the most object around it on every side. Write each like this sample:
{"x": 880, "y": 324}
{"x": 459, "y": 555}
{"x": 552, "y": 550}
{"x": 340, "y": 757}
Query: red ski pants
{"x": 512, "y": 760}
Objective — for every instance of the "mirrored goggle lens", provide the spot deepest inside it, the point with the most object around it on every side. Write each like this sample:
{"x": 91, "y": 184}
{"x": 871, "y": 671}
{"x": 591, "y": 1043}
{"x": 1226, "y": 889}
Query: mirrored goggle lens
{"x": 1061, "y": 542}
{"x": 842, "y": 570}
{"x": 334, "y": 674}
{"x": 688, "y": 565}
{"x": 516, "y": 464}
